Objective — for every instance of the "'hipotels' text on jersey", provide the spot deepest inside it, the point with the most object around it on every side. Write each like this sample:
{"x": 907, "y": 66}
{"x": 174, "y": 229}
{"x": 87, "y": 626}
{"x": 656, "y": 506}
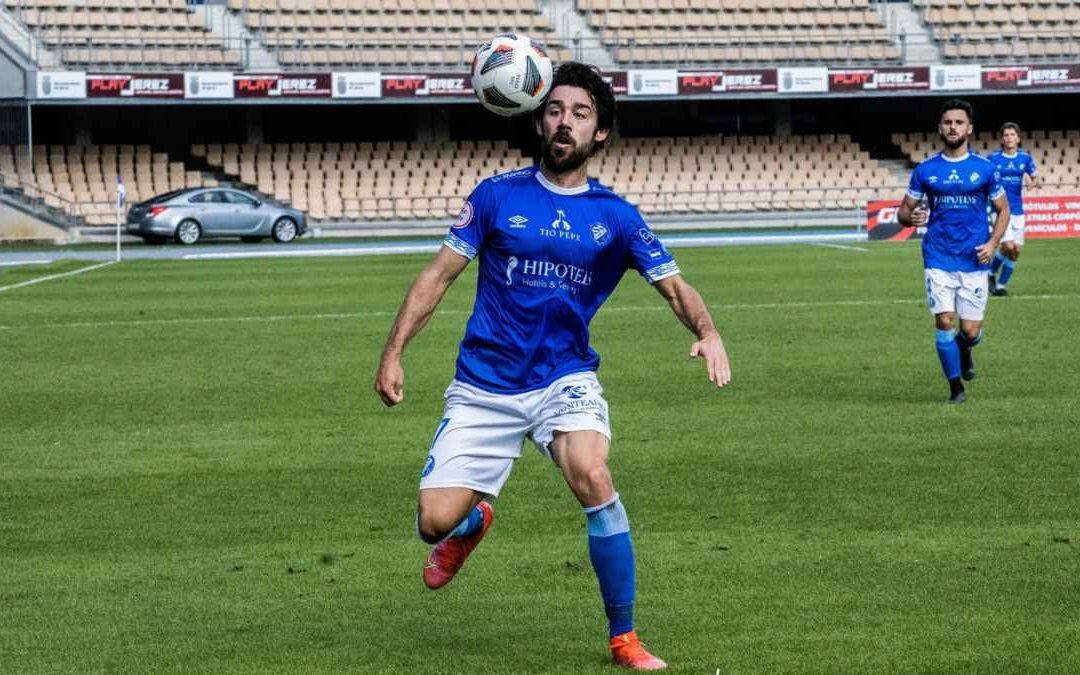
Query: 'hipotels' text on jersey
{"x": 958, "y": 192}
{"x": 1011, "y": 170}
{"x": 549, "y": 257}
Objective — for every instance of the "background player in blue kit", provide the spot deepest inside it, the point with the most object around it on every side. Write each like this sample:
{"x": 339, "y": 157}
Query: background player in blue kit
{"x": 957, "y": 186}
{"x": 1014, "y": 167}
{"x": 552, "y": 245}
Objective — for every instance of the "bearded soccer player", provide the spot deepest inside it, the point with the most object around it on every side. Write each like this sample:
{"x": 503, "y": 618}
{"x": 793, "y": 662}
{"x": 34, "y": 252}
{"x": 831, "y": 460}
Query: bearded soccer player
{"x": 552, "y": 245}
{"x": 1014, "y": 166}
{"x": 958, "y": 186}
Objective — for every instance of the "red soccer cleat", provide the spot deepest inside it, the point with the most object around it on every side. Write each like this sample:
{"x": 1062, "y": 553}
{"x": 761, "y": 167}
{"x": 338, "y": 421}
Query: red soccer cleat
{"x": 449, "y": 554}
{"x": 628, "y": 652}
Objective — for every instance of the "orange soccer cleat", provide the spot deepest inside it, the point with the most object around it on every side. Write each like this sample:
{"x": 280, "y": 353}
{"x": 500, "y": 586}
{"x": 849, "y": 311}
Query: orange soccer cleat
{"x": 449, "y": 554}
{"x": 628, "y": 652}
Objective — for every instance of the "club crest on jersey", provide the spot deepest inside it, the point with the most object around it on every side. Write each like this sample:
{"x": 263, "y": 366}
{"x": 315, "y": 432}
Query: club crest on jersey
{"x": 646, "y": 236}
{"x": 464, "y": 216}
{"x": 560, "y": 228}
{"x": 600, "y": 233}
{"x": 974, "y": 177}
{"x": 517, "y": 222}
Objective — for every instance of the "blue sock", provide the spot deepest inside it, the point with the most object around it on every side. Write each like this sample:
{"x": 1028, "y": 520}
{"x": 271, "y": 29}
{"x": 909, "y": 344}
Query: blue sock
{"x": 612, "y": 556}
{"x": 1007, "y": 267}
{"x": 949, "y": 353}
{"x": 470, "y": 525}
{"x": 996, "y": 265}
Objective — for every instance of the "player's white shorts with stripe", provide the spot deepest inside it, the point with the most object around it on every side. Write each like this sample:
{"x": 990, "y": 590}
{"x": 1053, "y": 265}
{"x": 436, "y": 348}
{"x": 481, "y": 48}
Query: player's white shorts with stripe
{"x": 1015, "y": 230}
{"x": 481, "y": 433}
{"x": 961, "y": 292}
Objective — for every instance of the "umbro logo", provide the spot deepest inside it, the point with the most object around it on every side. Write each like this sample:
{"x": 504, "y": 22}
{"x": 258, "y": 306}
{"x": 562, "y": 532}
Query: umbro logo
{"x": 517, "y": 222}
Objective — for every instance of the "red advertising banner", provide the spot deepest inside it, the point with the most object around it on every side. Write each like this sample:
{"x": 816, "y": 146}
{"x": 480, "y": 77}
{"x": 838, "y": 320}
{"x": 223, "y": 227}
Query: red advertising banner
{"x": 1045, "y": 217}
{"x": 1022, "y": 77}
{"x": 164, "y": 85}
{"x": 726, "y": 81}
{"x": 278, "y": 85}
{"x": 879, "y": 79}
{"x": 427, "y": 84}
{"x": 618, "y": 80}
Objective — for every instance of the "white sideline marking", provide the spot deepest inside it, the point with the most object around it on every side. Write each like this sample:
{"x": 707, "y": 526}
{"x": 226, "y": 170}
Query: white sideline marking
{"x": 12, "y": 263}
{"x": 361, "y": 315}
{"x": 318, "y": 253}
{"x": 50, "y": 277}
{"x": 842, "y": 247}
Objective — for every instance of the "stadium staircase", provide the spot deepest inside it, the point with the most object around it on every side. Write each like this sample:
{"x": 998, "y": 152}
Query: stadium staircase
{"x": 229, "y": 27}
{"x": 17, "y": 35}
{"x": 573, "y": 26}
{"x": 917, "y": 44}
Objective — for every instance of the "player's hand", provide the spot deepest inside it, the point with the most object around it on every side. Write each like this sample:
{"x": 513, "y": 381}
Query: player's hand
{"x": 711, "y": 348}
{"x": 986, "y": 251}
{"x": 919, "y": 216}
{"x": 389, "y": 381}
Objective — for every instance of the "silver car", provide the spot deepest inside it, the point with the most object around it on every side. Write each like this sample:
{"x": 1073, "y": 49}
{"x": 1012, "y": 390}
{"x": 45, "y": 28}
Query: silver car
{"x": 196, "y": 213}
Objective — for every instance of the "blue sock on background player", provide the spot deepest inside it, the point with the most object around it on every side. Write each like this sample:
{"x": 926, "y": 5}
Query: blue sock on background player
{"x": 612, "y": 556}
{"x": 1007, "y": 267}
{"x": 996, "y": 265}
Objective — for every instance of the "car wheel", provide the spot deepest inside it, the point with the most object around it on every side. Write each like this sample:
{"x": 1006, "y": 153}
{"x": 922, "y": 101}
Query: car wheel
{"x": 251, "y": 240}
{"x": 188, "y": 232}
{"x": 284, "y": 230}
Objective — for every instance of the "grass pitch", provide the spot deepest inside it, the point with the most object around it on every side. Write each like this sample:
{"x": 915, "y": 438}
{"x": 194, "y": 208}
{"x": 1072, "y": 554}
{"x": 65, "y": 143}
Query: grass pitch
{"x": 196, "y": 476}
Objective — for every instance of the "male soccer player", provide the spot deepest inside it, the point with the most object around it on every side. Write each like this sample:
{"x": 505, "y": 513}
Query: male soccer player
{"x": 552, "y": 244}
{"x": 957, "y": 184}
{"x": 1014, "y": 167}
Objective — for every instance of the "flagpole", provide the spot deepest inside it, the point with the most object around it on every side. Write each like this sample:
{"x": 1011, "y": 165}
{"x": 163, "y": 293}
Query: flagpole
{"x": 121, "y": 197}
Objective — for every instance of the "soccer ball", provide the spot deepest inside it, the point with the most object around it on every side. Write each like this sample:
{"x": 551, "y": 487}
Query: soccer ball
{"x": 511, "y": 75}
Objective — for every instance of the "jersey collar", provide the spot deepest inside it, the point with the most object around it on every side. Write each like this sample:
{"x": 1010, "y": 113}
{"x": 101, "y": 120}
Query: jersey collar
{"x": 561, "y": 190}
{"x": 954, "y": 159}
{"x": 1008, "y": 156}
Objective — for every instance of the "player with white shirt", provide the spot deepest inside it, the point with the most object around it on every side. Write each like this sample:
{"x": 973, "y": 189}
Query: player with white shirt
{"x": 551, "y": 245}
{"x": 958, "y": 187}
{"x": 1016, "y": 167}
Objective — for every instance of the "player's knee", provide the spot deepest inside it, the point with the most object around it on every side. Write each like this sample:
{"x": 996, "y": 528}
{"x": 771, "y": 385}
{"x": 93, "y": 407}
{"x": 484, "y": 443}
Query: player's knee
{"x": 593, "y": 481}
{"x": 944, "y": 321}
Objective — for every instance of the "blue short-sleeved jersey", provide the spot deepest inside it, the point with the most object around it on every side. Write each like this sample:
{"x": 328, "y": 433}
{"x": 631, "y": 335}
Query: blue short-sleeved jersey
{"x": 958, "y": 192}
{"x": 549, "y": 257}
{"x": 1011, "y": 170}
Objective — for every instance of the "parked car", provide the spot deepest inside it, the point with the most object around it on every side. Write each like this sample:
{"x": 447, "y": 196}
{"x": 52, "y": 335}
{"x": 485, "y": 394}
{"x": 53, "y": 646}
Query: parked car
{"x": 201, "y": 213}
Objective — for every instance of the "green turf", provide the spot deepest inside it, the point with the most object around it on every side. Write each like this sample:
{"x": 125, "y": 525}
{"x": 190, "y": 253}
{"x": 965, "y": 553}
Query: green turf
{"x": 196, "y": 476}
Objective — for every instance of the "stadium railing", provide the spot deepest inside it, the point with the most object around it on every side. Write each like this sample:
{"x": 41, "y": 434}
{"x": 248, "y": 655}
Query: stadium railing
{"x": 53, "y": 207}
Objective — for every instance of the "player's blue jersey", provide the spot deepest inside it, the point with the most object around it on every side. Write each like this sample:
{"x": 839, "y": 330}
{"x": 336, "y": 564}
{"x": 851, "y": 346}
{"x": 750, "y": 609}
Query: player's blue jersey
{"x": 1011, "y": 170}
{"x": 958, "y": 192}
{"x": 549, "y": 257}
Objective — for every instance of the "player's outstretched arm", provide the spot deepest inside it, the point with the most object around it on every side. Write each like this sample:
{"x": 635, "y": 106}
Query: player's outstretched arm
{"x": 419, "y": 304}
{"x": 687, "y": 304}
{"x": 910, "y": 215}
{"x": 986, "y": 251}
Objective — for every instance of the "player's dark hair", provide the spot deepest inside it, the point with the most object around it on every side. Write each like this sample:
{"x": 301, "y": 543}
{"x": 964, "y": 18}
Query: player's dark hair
{"x": 1009, "y": 125}
{"x": 587, "y": 77}
{"x": 958, "y": 104}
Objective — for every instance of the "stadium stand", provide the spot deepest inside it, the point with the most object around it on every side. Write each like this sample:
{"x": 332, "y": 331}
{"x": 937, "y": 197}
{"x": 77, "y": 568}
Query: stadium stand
{"x": 661, "y": 175}
{"x": 85, "y": 176}
{"x": 733, "y": 31}
{"x": 1029, "y": 29}
{"x": 439, "y": 33}
{"x": 123, "y": 32}
{"x": 1056, "y": 153}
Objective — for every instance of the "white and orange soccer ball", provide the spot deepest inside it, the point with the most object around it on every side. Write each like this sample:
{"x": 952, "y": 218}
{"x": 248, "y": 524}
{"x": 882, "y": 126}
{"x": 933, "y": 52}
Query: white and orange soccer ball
{"x": 511, "y": 75}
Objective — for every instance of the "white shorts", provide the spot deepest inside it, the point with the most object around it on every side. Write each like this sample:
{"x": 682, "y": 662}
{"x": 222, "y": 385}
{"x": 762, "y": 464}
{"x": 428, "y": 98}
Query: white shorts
{"x": 960, "y": 292}
{"x": 1015, "y": 231}
{"x": 481, "y": 433}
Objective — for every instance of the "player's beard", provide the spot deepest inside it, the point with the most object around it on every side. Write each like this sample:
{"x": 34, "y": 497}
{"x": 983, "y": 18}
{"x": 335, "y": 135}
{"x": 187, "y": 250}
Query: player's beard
{"x": 569, "y": 160}
{"x": 952, "y": 145}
